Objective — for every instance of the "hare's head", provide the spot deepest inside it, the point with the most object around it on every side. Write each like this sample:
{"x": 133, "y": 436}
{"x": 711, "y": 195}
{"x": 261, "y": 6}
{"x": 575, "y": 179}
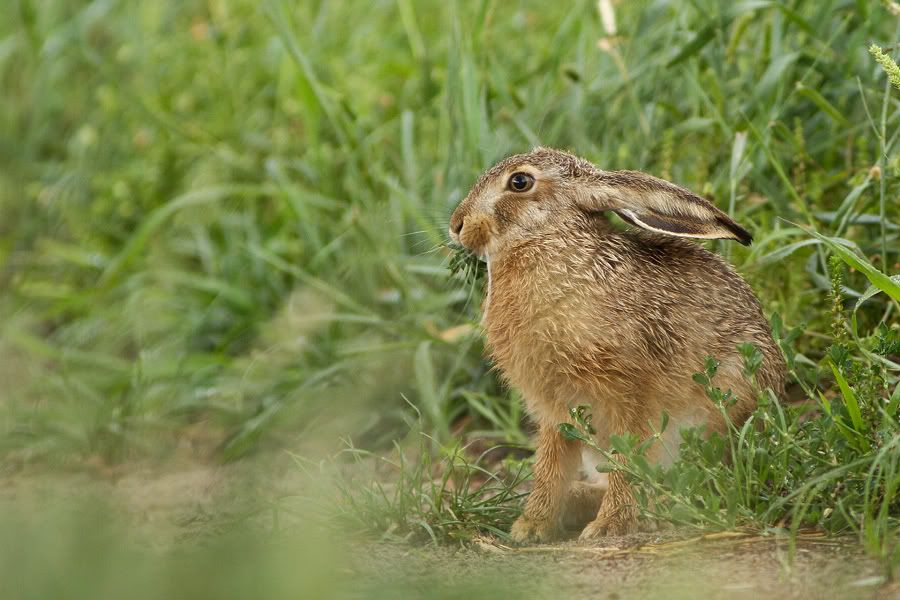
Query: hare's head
{"x": 545, "y": 190}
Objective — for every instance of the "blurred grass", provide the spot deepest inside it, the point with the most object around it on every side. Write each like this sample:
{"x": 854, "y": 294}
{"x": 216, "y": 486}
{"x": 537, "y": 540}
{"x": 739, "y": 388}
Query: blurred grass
{"x": 224, "y": 220}
{"x": 88, "y": 548}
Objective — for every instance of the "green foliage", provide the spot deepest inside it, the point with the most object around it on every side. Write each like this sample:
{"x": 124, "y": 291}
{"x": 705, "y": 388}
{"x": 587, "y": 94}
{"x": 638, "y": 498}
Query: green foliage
{"x": 236, "y": 219}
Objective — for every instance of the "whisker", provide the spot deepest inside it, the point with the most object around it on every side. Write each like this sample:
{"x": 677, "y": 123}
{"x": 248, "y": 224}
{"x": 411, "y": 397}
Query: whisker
{"x": 432, "y": 250}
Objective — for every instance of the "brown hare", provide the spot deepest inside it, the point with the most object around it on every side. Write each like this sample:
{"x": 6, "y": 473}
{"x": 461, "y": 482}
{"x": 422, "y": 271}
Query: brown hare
{"x": 580, "y": 312}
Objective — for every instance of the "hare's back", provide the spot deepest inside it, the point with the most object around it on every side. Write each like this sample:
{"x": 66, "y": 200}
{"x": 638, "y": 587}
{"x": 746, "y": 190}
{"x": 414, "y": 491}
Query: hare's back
{"x": 677, "y": 297}
{"x": 701, "y": 302}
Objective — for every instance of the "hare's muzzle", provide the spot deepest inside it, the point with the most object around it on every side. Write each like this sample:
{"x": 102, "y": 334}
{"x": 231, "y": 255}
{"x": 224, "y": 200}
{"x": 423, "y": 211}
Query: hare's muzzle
{"x": 456, "y": 226}
{"x": 472, "y": 232}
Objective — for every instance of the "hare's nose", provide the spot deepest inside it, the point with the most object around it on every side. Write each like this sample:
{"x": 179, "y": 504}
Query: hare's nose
{"x": 456, "y": 225}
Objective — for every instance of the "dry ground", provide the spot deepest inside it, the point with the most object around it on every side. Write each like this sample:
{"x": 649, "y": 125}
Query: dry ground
{"x": 648, "y": 567}
{"x": 190, "y": 500}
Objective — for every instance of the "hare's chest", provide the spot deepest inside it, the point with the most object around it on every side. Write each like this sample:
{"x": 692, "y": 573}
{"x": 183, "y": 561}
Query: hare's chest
{"x": 537, "y": 357}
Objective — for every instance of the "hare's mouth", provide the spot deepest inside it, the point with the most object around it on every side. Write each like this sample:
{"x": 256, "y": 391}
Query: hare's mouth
{"x": 457, "y": 248}
{"x": 475, "y": 234}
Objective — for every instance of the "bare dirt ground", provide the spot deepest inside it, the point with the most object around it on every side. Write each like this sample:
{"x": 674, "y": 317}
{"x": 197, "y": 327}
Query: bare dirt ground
{"x": 190, "y": 500}
{"x": 639, "y": 566}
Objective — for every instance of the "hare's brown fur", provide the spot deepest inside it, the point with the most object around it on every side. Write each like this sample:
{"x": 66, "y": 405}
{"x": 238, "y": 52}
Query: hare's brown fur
{"x": 580, "y": 312}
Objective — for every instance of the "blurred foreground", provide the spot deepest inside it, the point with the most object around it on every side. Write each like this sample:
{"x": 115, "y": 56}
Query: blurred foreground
{"x": 230, "y": 532}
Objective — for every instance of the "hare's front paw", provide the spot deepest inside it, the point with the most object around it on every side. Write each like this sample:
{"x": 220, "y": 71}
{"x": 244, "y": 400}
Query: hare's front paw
{"x": 526, "y": 530}
{"x": 620, "y": 522}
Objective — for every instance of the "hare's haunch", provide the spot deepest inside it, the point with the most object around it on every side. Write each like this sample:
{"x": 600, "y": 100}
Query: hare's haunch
{"x": 580, "y": 312}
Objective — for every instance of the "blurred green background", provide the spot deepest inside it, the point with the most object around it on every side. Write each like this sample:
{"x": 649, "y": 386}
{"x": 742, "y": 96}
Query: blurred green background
{"x": 222, "y": 222}
{"x": 230, "y": 214}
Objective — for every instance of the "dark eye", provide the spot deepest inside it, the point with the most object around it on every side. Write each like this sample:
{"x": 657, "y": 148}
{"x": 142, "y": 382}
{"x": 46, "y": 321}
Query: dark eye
{"x": 521, "y": 182}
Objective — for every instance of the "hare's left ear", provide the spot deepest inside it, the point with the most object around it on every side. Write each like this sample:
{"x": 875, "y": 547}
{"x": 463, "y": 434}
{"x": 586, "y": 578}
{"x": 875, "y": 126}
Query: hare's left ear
{"x": 658, "y": 205}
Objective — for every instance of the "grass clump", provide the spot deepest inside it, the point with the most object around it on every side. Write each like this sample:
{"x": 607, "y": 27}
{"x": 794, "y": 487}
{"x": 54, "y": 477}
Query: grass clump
{"x": 466, "y": 266}
{"x": 417, "y": 496}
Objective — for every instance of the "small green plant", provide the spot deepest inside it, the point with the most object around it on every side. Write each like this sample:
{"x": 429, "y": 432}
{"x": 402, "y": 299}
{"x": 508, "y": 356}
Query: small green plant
{"x": 417, "y": 496}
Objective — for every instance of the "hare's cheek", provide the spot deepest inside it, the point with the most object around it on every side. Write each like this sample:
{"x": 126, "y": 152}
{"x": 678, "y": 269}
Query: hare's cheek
{"x": 476, "y": 232}
{"x": 510, "y": 210}
{"x": 522, "y": 210}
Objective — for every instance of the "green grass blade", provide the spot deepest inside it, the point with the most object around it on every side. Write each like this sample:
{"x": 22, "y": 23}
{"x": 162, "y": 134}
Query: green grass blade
{"x": 877, "y": 278}
{"x": 850, "y": 400}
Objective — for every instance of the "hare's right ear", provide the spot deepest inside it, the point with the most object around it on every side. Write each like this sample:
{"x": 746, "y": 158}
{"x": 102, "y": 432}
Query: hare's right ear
{"x": 657, "y": 205}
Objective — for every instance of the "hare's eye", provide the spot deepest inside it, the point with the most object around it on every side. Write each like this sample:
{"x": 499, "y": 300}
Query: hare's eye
{"x": 521, "y": 182}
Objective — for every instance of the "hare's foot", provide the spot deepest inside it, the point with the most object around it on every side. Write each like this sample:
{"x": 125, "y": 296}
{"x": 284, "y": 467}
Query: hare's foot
{"x": 619, "y": 522}
{"x": 526, "y": 530}
{"x": 617, "y": 514}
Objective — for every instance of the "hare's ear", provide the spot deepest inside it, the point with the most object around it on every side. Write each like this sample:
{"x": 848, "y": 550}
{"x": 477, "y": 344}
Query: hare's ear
{"x": 660, "y": 206}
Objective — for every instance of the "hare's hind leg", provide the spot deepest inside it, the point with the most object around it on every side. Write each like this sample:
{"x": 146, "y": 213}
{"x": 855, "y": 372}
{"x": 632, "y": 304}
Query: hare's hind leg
{"x": 555, "y": 465}
{"x": 617, "y": 514}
